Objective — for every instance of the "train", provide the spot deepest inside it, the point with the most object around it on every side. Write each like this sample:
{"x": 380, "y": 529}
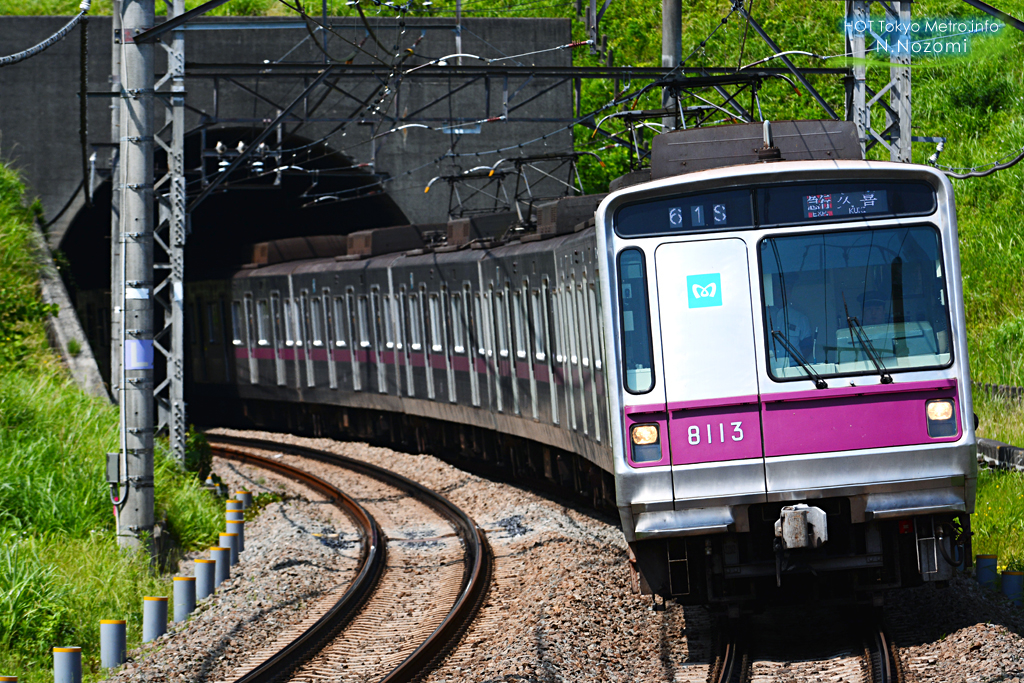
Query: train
{"x": 753, "y": 351}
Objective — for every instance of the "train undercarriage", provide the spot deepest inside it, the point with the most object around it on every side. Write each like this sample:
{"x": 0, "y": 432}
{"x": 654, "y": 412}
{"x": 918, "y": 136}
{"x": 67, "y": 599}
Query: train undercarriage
{"x": 857, "y": 563}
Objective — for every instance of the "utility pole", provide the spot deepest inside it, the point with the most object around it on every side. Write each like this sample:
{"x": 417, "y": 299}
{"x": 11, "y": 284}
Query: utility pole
{"x": 135, "y": 521}
{"x": 671, "y": 50}
{"x": 116, "y": 276}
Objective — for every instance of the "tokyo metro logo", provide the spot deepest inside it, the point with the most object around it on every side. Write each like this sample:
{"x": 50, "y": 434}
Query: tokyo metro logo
{"x": 705, "y": 290}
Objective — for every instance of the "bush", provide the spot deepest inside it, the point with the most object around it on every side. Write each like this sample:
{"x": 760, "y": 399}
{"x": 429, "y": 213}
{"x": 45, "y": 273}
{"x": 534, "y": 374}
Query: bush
{"x": 32, "y": 598}
{"x": 198, "y": 454}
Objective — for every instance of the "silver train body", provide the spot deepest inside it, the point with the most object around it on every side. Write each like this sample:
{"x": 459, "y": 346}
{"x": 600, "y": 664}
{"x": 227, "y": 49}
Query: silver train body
{"x": 790, "y": 352}
{"x": 765, "y": 385}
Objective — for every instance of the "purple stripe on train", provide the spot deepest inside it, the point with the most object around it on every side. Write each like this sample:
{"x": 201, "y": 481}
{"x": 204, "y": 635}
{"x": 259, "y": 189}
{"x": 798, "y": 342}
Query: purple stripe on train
{"x": 851, "y": 418}
{"x": 795, "y": 423}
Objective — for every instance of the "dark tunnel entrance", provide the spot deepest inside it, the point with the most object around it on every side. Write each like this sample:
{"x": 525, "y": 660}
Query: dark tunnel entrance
{"x": 284, "y": 191}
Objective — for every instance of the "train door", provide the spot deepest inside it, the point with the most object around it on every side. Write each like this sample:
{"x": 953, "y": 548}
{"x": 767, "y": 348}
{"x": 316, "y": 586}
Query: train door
{"x": 545, "y": 344}
{"x": 250, "y": 339}
{"x": 709, "y": 371}
{"x": 355, "y": 342}
{"x": 327, "y": 317}
{"x": 474, "y": 346}
{"x": 523, "y": 372}
{"x": 379, "y": 343}
{"x": 391, "y": 344}
{"x": 277, "y": 326}
{"x": 341, "y": 350}
{"x": 405, "y": 342}
{"x": 306, "y": 337}
{"x": 483, "y": 347}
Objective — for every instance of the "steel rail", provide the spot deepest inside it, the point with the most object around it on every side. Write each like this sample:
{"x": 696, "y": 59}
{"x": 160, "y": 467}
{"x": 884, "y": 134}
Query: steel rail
{"x": 732, "y": 665}
{"x": 374, "y": 559}
{"x": 883, "y": 662}
{"x": 477, "y": 568}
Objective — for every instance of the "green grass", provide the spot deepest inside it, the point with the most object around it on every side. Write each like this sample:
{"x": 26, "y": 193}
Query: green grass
{"x": 998, "y": 522}
{"x": 61, "y": 570}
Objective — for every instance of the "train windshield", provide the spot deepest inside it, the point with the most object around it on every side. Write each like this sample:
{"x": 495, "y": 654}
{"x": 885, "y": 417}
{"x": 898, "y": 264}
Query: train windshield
{"x": 854, "y": 303}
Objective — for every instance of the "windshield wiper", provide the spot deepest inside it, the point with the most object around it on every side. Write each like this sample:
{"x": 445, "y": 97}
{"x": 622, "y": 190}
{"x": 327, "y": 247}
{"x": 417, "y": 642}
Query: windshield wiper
{"x": 819, "y": 383}
{"x": 855, "y": 327}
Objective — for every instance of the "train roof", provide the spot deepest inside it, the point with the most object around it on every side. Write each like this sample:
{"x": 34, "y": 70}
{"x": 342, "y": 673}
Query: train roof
{"x": 414, "y": 258}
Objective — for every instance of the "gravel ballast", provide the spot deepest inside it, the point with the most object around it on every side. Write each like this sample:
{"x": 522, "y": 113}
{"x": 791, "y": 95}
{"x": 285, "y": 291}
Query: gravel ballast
{"x": 560, "y": 609}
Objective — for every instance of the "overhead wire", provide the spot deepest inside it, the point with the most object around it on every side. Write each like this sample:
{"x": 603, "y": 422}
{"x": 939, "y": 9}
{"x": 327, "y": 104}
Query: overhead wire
{"x": 984, "y": 169}
{"x": 451, "y": 154}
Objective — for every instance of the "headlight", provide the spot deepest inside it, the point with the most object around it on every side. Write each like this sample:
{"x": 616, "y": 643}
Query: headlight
{"x": 940, "y": 410}
{"x": 646, "y": 443}
{"x": 644, "y": 435}
{"x": 941, "y": 418}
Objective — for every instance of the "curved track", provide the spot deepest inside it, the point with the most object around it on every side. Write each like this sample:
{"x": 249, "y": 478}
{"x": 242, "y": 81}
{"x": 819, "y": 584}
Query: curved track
{"x": 344, "y": 632}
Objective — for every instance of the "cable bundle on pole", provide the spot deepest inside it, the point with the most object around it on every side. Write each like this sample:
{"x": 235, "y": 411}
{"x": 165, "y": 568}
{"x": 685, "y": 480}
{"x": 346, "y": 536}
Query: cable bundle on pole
{"x": 52, "y": 40}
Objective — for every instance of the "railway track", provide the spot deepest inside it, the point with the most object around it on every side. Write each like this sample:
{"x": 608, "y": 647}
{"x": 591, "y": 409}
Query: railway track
{"x": 423, "y": 574}
{"x": 858, "y": 651}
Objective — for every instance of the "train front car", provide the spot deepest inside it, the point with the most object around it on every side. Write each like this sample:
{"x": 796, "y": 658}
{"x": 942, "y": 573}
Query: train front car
{"x": 793, "y": 390}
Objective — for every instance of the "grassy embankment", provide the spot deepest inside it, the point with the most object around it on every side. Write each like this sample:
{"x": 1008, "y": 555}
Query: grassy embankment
{"x": 60, "y": 568}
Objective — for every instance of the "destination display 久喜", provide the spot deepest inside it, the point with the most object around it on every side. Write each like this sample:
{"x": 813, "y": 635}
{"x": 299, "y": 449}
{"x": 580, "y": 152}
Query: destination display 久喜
{"x": 845, "y": 203}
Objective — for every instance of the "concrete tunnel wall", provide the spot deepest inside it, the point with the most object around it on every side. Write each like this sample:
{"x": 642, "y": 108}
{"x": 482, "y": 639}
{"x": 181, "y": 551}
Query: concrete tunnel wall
{"x": 39, "y": 110}
{"x": 40, "y": 124}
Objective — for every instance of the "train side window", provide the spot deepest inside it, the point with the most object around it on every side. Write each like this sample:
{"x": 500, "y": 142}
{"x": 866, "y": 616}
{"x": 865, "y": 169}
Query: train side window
{"x": 250, "y": 320}
{"x": 415, "y": 322}
{"x": 262, "y": 322}
{"x": 519, "y": 314}
{"x": 352, "y": 328}
{"x": 595, "y": 324}
{"x": 237, "y": 323}
{"x": 435, "y": 324}
{"x": 192, "y": 323}
{"x": 581, "y": 319}
{"x": 500, "y": 324}
{"x": 375, "y": 317}
{"x": 364, "y": 323}
{"x": 303, "y": 330}
{"x": 327, "y": 317}
{"x": 458, "y": 324}
{"x": 389, "y": 323}
{"x": 570, "y": 322}
{"x": 211, "y": 323}
{"x": 478, "y": 311}
{"x": 316, "y": 318}
{"x": 558, "y": 349}
{"x": 289, "y": 323}
{"x": 635, "y": 322}
{"x": 400, "y": 319}
{"x": 539, "y": 328}
{"x": 340, "y": 338}
{"x": 275, "y": 317}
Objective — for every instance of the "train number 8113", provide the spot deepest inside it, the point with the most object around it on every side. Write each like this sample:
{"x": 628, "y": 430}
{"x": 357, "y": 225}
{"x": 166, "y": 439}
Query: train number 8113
{"x": 693, "y": 434}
